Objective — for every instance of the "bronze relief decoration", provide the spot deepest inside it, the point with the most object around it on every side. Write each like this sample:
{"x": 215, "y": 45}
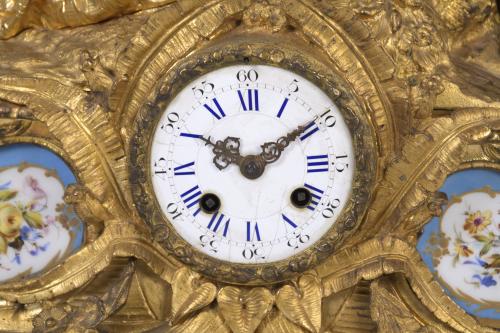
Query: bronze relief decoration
{"x": 250, "y": 166}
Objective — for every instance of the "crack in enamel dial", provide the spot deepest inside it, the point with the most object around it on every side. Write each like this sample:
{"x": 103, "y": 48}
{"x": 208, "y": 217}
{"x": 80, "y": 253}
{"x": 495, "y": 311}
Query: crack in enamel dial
{"x": 218, "y": 136}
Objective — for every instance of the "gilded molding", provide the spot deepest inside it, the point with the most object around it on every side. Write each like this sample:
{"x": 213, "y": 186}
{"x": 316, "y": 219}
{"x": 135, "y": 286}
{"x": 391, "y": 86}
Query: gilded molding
{"x": 421, "y": 76}
{"x": 19, "y": 15}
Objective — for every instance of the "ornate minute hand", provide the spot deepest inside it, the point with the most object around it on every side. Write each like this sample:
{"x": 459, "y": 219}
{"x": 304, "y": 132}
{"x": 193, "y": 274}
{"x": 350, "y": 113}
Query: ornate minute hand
{"x": 225, "y": 151}
{"x": 271, "y": 151}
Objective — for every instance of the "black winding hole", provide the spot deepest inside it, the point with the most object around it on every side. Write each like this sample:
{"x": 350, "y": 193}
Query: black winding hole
{"x": 210, "y": 203}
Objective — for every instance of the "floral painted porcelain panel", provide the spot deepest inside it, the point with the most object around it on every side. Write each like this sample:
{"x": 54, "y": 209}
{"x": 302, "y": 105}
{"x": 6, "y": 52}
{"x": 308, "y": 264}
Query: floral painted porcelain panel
{"x": 37, "y": 229}
{"x": 462, "y": 248}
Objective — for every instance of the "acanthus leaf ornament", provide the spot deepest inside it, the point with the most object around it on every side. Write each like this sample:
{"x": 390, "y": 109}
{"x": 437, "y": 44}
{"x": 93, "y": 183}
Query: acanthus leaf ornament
{"x": 301, "y": 303}
{"x": 83, "y": 314}
{"x": 244, "y": 309}
{"x": 392, "y": 314}
{"x": 189, "y": 294}
{"x": 390, "y": 60}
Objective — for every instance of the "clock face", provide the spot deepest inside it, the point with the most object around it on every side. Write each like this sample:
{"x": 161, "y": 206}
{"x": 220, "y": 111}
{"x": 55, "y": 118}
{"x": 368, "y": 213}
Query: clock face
{"x": 251, "y": 164}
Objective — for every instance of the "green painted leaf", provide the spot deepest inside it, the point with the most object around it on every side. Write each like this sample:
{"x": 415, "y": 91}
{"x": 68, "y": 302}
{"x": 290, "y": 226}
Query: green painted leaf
{"x": 34, "y": 219}
{"x": 486, "y": 248}
{"x": 481, "y": 238}
{"x": 455, "y": 260}
{"x": 7, "y": 194}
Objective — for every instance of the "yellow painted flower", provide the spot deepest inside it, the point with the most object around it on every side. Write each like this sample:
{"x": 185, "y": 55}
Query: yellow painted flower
{"x": 478, "y": 221}
{"x": 10, "y": 221}
{"x": 463, "y": 250}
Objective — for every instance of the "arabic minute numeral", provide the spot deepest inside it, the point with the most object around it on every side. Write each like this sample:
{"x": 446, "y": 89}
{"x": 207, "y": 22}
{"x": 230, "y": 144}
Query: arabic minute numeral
{"x": 298, "y": 240}
{"x": 331, "y": 206}
{"x": 202, "y": 89}
{"x": 256, "y": 253}
{"x": 250, "y": 75}
{"x": 293, "y": 87}
{"x": 328, "y": 118}
{"x": 172, "y": 118}
{"x": 209, "y": 242}
{"x": 173, "y": 210}
{"x": 160, "y": 166}
{"x": 339, "y": 165}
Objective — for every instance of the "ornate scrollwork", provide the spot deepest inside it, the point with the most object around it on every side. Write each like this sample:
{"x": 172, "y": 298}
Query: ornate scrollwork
{"x": 416, "y": 79}
{"x": 225, "y": 151}
{"x": 84, "y": 314}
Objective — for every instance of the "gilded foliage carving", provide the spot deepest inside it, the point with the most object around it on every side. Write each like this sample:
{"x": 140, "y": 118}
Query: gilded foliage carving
{"x": 301, "y": 304}
{"x": 391, "y": 313}
{"x": 84, "y": 314}
{"x": 243, "y": 310}
{"x": 189, "y": 294}
{"x": 80, "y": 92}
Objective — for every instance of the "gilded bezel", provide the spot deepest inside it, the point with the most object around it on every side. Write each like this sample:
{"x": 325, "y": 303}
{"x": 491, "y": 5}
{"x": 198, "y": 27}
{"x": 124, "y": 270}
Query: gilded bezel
{"x": 295, "y": 60}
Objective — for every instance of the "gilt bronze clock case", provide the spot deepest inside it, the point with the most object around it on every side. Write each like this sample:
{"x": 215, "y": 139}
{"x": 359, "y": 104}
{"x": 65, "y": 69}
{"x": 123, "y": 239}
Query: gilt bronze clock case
{"x": 294, "y": 55}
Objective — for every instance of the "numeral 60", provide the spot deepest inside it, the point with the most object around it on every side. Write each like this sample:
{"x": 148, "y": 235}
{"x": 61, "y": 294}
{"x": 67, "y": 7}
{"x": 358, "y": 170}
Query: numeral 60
{"x": 250, "y": 75}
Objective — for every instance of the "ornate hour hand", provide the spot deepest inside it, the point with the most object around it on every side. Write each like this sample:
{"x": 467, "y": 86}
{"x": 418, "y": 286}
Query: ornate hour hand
{"x": 225, "y": 151}
{"x": 271, "y": 151}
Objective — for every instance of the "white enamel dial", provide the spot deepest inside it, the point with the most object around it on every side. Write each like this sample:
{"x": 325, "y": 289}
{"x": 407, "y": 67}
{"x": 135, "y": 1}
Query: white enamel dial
{"x": 256, "y": 222}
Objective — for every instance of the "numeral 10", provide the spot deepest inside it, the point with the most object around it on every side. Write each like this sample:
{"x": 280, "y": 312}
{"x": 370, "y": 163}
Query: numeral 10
{"x": 328, "y": 118}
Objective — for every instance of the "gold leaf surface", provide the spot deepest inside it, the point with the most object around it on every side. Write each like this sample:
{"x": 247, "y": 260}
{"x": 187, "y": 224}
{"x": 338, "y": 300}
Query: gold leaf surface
{"x": 190, "y": 294}
{"x": 243, "y": 310}
{"x": 302, "y": 304}
{"x": 209, "y": 321}
{"x": 19, "y": 15}
{"x": 88, "y": 138}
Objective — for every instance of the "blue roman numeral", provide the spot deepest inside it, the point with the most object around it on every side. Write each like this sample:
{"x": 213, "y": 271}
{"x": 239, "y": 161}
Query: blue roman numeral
{"x": 309, "y": 130}
{"x": 214, "y": 226}
{"x": 193, "y": 136}
{"x": 251, "y": 103}
{"x": 282, "y": 108}
{"x": 183, "y": 170}
{"x": 191, "y": 197}
{"x": 219, "y": 113}
{"x": 316, "y": 196}
{"x": 317, "y": 163}
{"x": 255, "y": 233}
{"x": 287, "y": 220}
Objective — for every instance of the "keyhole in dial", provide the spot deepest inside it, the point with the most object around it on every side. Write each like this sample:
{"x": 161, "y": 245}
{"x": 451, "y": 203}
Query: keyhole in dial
{"x": 301, "y": 197}
{"x": 210, "y": 203}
